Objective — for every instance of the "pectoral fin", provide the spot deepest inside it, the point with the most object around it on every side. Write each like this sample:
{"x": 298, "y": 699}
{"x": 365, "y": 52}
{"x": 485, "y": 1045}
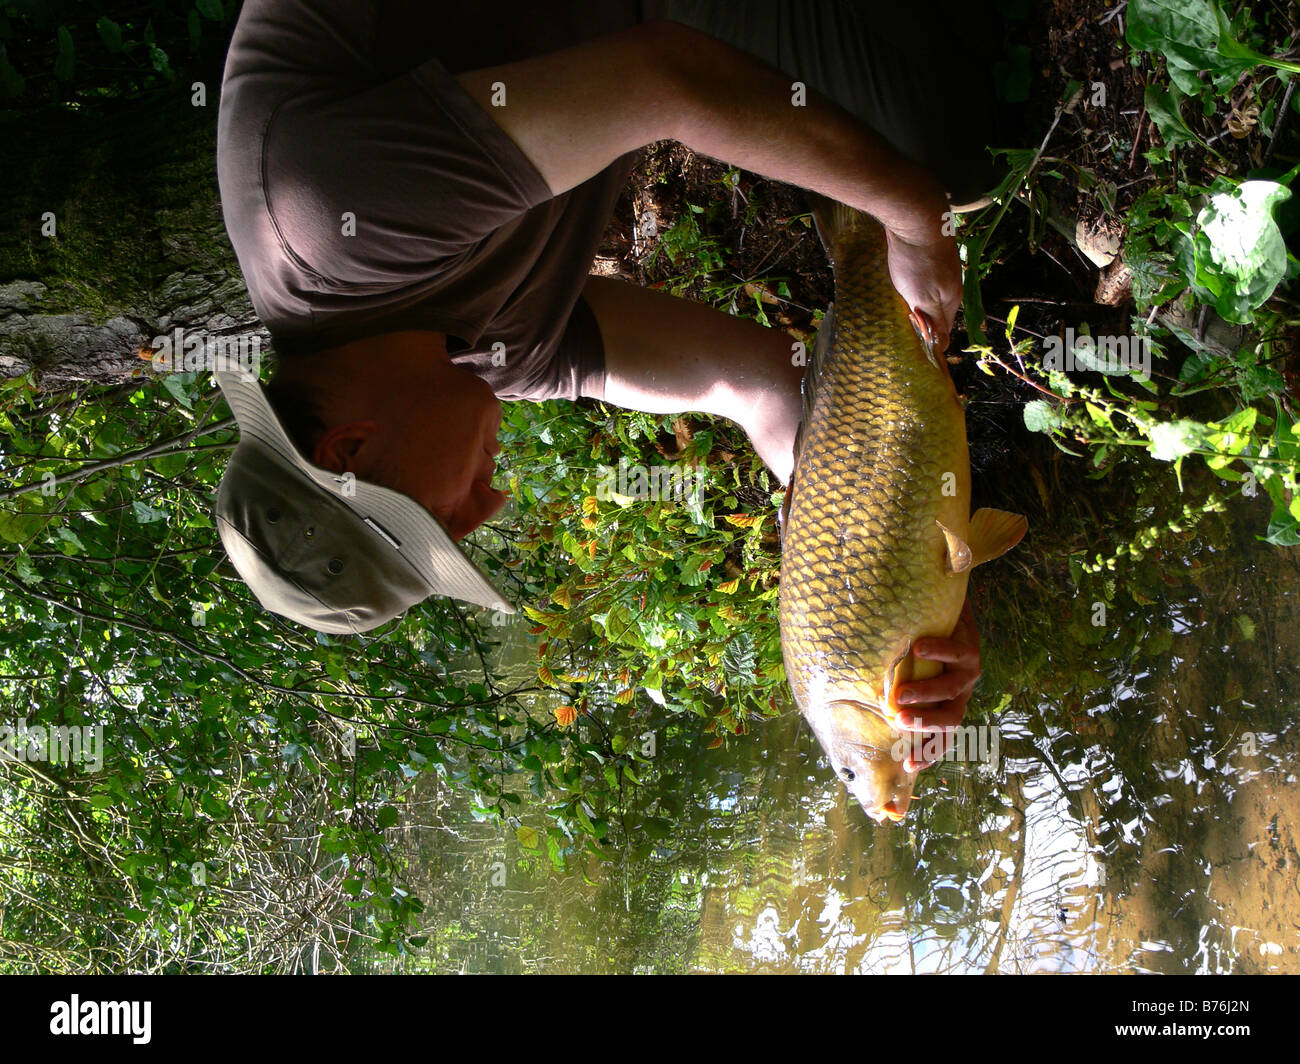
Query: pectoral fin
{"x": 993, "y": 533}
{"x": 959, "y": 553}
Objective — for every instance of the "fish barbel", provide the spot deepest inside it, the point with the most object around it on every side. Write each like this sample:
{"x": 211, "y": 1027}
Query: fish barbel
{"x": 878, "y": 538}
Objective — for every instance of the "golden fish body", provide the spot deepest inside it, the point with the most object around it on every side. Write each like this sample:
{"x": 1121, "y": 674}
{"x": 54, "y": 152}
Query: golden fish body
{"x": 875, "y": 550}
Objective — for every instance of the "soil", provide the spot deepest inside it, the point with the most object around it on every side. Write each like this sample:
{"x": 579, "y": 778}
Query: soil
{"x": 1038, "y": 264}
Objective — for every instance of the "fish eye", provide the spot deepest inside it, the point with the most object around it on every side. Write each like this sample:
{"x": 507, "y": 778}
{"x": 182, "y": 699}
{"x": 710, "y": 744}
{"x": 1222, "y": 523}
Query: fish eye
{"x": 848, "y": 774}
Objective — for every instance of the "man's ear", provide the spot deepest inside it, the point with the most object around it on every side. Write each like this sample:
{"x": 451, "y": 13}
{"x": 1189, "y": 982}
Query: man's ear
{"x": 338, "y": 448}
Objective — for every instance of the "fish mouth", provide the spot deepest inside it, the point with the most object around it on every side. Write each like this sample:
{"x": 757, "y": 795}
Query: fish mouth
{"x": 887, "y": 813}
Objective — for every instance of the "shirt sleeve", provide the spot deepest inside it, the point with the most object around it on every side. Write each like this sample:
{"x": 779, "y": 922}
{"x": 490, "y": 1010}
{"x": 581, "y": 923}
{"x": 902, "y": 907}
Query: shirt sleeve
{"x": 393, "y": 183}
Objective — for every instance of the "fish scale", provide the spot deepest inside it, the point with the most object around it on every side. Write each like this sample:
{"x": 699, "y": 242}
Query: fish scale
{"x": 886, "y": 425}
{"x": 881, "y": 471}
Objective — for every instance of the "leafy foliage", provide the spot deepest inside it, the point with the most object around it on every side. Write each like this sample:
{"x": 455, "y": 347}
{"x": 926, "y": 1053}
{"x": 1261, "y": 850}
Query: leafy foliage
{"x": 1191, "y": 249}
{"x": 256, "y": 774}
{"x": 251, "y": 769}
{"x": 61, "y": 49}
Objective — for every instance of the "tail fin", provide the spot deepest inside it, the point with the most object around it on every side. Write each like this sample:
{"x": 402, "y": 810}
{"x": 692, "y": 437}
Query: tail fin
{"x": 841, "y": 227}
{"x": 837, "y": 224}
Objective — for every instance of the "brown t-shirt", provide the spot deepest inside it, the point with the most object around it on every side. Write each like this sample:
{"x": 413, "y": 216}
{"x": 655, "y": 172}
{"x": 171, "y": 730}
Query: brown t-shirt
{"x": 364, "y": 191}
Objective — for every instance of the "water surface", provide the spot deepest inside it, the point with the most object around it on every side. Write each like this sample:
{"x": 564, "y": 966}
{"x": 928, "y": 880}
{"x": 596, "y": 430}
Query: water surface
{"x": 1142, "y": 816}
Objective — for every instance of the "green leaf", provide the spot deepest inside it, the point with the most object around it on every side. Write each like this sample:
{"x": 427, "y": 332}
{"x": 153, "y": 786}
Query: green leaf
{"x": 386, "y": 817}
{"x": 213, "y": 806}
{"x": 110, "y": 33}
{"x": 66, "y": 59}
{"x": 160, "y": 62}
{"x": 1185, "y": 32}
{"x": 738, "y": 658}
{"x": 1099, "y": 416}
{"x": 1230, "y": 437}
{"x": 585, "y": 822}
{"x": 72, "y": 542}
{"x": 26, "y": 571}
{"x": 1239, "y": 254}
{"x": 146, "y": 514}
{"x": 211, "y": 10}
{"x": 1283, "y": 528}
{"x": 1230, "y": 48}
{"x": 1106, "y": 355}
{"x": 553, "y": 853}
{"x": 1040, "y": 416}
{"x": 528, "y": 838}
{"x": 1164, "y": 111}
{"x": 1172, "y": 440}
{"x": 175, "y": 386}
{"x": 972, "y": 296}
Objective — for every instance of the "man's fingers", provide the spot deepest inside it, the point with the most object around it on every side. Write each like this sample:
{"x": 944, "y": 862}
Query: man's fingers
{"x": 948, "y": 684}
{"x": 942, "y": 717}
{"x": 948, "y": 651}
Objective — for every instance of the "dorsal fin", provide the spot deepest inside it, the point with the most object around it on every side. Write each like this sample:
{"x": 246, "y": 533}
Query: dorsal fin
{"x": 835, "y": 221}
{"x": 808, "y": 388}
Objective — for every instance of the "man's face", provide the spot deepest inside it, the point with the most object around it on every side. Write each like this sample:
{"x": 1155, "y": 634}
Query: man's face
{"x": 434, "y": 439}
{"x": 446, "y": 456}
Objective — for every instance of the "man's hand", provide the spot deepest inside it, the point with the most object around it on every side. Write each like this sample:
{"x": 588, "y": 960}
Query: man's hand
{"x": 926, "y": 271}
{"x": 939, "y": 703}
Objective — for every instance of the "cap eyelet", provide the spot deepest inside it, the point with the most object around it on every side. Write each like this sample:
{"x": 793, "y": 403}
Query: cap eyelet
{"x": 848, "y": 774}
{"x": 273, "y": 514}
{"x": 309, "y": 531}
{"x": 335, "y": 566}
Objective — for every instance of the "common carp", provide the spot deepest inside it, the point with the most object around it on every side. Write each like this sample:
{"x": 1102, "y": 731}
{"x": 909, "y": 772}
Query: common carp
{"x": 877, "y": 535}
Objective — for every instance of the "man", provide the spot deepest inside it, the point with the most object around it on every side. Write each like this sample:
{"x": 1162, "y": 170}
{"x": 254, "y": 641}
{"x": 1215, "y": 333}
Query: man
{"x": 415, "y": 194}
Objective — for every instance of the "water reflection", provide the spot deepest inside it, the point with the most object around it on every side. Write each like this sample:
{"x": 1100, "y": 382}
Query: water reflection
{"x": 1142, "y": 818}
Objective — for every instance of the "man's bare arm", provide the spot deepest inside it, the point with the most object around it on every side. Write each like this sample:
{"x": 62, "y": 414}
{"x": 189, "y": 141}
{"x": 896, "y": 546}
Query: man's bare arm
{"x": 575, "y": 111}
{"x": 666, "y": 355}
